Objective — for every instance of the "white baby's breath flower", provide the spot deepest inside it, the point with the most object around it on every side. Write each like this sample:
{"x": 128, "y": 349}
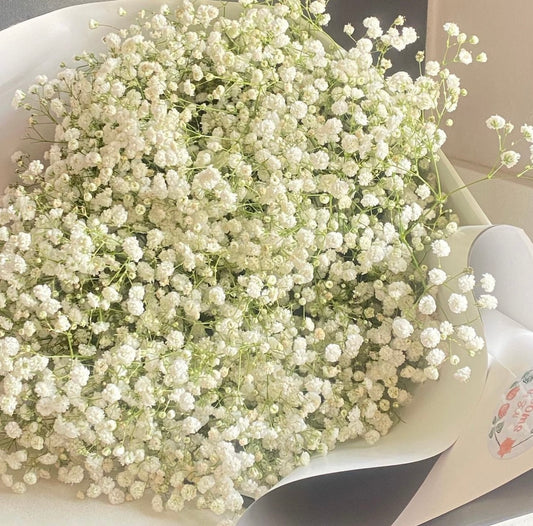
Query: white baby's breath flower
{"x": 217, "y": 296}
{"x": 487, "y": 282}
{"x": 298, "y": 109}
{"x": 332, "y": 352}
{"x": 430, "y": 337}
{"x": 437, "y": 276}
{"x": 487, "y": 301}
{"x": 451, "y": 28}
{"x": 402, "y": 328}
{"x": 13, "y": 430}
{"x": 373, "y": 27}
{"x": 466, "y": 333}
{"x": 435, "y": 357}
{"x": 495, "y": 122}
{"x": 111, "y": 393}
{"x": 409, "y": 35}
{"x": 463, "y": 374}
{"x": 527, "y": 131}
{"x": 349, "y": 29}
{"x": 18, "y": 98}
{"x": 457, "y": 303}
{"x": 465, "y": 56}
{"x": 317, "y": 7}
{"x": 509, "y": 158}
{"x": 440, "y": 248}
{"x": 132, "y": 248}
{"x": 427, "y": 305}
{"x": 466, "y": 283}
{"x": 446, "y": 329}
{"x": 431, "y": 372}
{"x": 399, "y": 21}
{"x": 432, "y": 68}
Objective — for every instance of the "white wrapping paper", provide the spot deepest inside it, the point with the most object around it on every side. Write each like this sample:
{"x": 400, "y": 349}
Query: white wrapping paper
{"x": 431, "y": 424}
{"x": 497, "y": 443}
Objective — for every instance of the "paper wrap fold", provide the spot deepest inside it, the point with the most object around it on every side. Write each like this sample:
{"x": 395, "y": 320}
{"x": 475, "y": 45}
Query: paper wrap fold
{"x": 480, "y": 461}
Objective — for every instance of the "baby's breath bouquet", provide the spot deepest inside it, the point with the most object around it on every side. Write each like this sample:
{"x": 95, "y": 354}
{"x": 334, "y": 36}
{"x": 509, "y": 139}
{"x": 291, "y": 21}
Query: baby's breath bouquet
{"x": 229, "y": 258}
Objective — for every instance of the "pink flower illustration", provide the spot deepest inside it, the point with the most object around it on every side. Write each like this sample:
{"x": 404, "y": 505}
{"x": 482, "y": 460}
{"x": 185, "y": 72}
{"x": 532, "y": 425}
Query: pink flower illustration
{"x": 503, "y": 410}
{"x": 513, "y": 392}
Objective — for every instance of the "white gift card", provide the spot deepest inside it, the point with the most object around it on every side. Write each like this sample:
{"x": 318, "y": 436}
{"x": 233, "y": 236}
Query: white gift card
{"x": 468, "y": 469}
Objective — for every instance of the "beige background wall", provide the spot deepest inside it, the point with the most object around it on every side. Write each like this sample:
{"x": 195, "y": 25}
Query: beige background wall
{"x": 503, "y": 85}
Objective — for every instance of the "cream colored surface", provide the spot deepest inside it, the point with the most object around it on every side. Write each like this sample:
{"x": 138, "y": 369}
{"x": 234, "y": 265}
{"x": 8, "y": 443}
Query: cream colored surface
{"x": 503, "y": 85}
{"x": 503, "y": 199}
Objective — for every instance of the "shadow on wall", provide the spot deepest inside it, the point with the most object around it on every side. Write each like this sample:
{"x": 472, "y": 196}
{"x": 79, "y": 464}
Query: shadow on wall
{"x": 355, "y": 11}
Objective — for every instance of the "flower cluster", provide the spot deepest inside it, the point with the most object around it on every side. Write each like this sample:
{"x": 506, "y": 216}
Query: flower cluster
{"x": 218, "y": 270}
